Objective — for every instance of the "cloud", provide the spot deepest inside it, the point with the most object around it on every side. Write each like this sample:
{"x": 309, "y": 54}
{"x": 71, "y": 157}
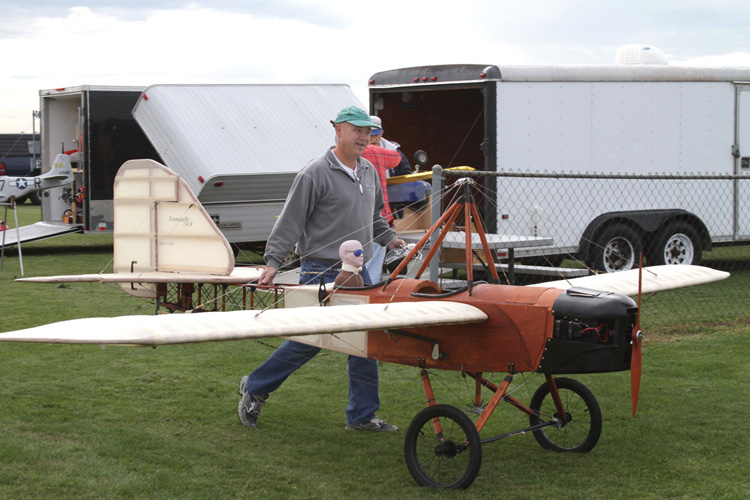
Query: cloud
{"x": 48, "y": 44}
{"x": 188, "y": 45}
{"x": 139, "y": 10}
{"x": 589, "y": 31}
{"x": 735, "y": 59}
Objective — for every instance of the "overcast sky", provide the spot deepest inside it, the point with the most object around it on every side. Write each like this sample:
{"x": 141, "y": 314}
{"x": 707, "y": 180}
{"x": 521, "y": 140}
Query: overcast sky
{"x": 58, "y": 43}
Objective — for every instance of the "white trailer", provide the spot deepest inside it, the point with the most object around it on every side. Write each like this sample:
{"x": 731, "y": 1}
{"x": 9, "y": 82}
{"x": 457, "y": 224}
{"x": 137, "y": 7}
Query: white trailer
{"x": 239, "y": 147}
{"x": 604, "y": 120}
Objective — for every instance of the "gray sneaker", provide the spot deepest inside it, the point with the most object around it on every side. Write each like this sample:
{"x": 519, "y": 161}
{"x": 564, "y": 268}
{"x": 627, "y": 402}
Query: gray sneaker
{"x": 250, "y": 405}
{"x": 375, "y": 424}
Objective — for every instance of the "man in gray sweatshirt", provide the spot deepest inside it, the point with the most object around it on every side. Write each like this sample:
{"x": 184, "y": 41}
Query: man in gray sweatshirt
{"x": 334, "y": 198}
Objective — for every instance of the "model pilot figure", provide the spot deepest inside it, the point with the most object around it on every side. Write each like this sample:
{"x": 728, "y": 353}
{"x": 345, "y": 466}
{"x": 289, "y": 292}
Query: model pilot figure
{"x": 352, "y": 258}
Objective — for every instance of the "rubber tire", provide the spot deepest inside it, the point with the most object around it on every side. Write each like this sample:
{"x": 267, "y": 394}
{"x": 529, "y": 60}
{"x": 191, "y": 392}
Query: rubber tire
{"x": 420, "y": 438}
{"x": 680, "y": 239}
{"x": 616, "y": 238}
{"x": 35, "y": 198}
{"x": 585, "y": 425}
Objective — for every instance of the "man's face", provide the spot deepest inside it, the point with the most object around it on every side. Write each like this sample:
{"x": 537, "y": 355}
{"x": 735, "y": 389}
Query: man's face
{"x": 352, "y": 139}
{"x": 375, "y": 139}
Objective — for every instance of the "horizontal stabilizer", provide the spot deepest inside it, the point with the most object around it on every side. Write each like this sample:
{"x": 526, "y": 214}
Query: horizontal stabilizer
{"x": 238, "y": 276}
{"x": 655, "y": 279}
{"x": 57, "y": 177}
{"x": 237, "y": 325}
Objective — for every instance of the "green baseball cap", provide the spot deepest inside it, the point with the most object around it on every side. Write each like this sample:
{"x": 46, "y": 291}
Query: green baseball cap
{"x": 356, "y": 116}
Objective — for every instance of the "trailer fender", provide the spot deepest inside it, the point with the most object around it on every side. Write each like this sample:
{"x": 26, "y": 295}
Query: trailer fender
{"x": 649, "y": 228}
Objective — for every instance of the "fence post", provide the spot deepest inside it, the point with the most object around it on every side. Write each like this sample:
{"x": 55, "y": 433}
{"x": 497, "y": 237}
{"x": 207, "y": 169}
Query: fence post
{"x": 437, "y": 190}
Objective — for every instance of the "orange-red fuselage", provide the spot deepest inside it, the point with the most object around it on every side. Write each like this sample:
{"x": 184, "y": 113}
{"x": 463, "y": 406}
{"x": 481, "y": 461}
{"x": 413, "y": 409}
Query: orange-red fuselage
{"x": 523, "y": 326}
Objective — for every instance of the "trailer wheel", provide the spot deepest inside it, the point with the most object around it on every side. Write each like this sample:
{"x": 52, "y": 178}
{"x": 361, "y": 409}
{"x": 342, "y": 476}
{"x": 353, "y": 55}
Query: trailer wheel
{"x": 678, "y": 243}
{"x": 617, "y": 249}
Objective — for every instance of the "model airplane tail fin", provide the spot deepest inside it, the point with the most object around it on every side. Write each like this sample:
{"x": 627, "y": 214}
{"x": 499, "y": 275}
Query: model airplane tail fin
{"x": 161, "y": 226}
{"x": 60, "y": 174}
{"x": 61, "y": 170}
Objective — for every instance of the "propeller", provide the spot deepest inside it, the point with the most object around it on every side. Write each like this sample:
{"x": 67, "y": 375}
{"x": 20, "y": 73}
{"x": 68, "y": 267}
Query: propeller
{"x": 636, "y": 360}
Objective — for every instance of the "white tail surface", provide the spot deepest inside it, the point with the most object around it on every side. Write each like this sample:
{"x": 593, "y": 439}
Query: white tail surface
{"x": 61, "y": 170}
{"x": 161, "y": 226}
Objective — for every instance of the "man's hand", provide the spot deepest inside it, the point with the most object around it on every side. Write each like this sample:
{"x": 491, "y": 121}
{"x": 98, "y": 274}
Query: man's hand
{"x": 267, "y": 276}
{"x": 397, "y": 243}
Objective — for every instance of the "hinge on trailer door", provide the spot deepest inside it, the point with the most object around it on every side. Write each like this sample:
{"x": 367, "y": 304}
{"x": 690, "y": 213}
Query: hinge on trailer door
{"x": 736, "y": 150}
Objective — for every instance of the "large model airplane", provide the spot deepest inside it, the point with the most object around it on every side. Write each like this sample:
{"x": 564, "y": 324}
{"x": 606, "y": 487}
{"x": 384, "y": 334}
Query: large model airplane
{"x": 583, "y": 325}
{"x": 61, "y": 174}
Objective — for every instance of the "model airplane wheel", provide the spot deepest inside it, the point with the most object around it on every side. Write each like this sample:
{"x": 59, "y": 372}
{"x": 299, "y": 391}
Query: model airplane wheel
{"x": 576, "y": 431}
{"x": 442, "y": 448}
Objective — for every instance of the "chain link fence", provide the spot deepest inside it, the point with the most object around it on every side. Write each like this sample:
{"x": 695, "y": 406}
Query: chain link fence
{"x": 604, "y": 223}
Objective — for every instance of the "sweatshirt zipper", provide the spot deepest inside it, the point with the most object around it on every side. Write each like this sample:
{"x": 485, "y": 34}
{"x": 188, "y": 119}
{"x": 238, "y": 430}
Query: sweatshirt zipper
{"x": 359, "y": 182}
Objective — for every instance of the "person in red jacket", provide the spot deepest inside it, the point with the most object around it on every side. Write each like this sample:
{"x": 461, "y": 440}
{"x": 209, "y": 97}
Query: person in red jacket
{"x": 383, "y": 160}
{"x": 376, "y": 137}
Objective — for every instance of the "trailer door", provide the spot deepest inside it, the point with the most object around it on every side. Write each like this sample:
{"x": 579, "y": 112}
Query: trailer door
{"x": 742, "y": 162}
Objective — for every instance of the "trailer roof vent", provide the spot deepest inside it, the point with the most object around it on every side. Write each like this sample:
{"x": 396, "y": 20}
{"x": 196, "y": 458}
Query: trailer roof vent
{"x": 639, "y": 54}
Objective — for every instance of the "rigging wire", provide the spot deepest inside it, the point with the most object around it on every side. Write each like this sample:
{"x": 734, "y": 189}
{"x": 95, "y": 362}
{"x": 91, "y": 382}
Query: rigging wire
{"x": 458, "y": 150}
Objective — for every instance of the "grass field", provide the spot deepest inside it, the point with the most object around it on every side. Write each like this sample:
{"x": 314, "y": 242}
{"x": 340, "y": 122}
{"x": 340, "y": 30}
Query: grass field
{"x": 83, "y": 422}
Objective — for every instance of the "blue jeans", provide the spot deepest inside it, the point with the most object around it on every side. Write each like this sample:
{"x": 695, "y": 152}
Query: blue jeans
{"x": 364, "y": 399}
{"x": 374, "y": 266}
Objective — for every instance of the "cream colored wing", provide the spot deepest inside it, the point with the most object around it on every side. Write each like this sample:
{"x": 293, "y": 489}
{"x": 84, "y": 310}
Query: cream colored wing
{"x": 237, "y": 325}
{"x": 239, "y": 275}
{"x": 655, "y": 279}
